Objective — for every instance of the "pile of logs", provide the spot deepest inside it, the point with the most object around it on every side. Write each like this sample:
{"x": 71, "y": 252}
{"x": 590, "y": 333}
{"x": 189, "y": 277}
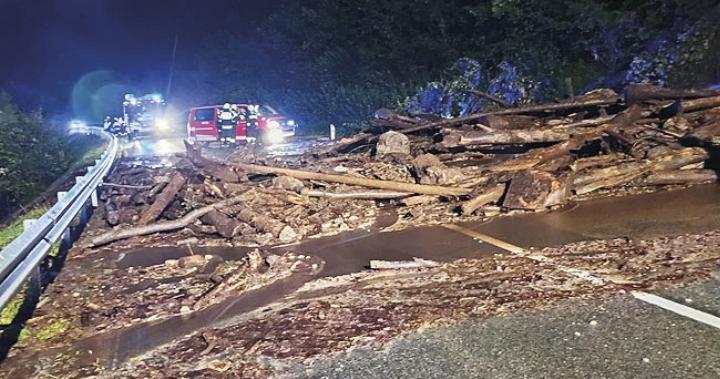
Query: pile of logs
{"x": 513, "y": 159}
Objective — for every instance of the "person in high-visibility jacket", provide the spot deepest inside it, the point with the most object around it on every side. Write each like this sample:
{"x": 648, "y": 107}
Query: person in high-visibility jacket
{"x": 227, "y": 124}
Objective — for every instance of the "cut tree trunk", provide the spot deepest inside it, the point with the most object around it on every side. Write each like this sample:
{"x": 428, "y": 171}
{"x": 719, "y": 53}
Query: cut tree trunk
{"x": 539, "y": 156}
{"x": 370, "y": 195}
{"x": 163, "y": 199}
{"x": 621, "y": 174}
{"x": 535, "y": 190}
{"x": 454, "y": 138}
{"x": 224, "y": 225}
{"x": 490, "y": 195}
{"x": 701, "y": 103}
{"x": 355, "y": 181}
{"x": 708, "y": 133}
{"x": 679, "y": 177}
{"x": 120, "y": 234}
{"x": 510, "y": 122}
{"x": 641, "y": 92}
{"x": 217, "y": 170}
{"x": 600, "y": 160}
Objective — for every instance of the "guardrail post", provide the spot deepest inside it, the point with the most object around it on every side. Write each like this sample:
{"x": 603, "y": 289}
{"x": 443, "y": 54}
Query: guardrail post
{"x": 94, "y": 198}
{"x": 28, "y": 223}
{"x": 60, "y": 195}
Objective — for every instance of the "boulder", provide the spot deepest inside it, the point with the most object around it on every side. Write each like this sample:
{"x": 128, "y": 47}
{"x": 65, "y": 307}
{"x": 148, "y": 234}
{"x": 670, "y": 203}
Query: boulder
{"x": 392, "y": 143}
{"x": 288, "y": 183}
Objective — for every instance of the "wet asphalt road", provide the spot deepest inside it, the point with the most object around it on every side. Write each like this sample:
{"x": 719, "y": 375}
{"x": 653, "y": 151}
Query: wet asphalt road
{"x": 620, "y": 337}
{"x": 627, "y": 338}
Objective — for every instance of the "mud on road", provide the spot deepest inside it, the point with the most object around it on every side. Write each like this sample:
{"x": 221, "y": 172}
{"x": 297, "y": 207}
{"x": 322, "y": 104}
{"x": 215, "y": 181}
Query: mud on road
{"x": 244, "y": 263}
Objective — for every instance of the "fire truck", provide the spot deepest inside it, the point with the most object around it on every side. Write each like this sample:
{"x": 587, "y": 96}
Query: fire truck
{"x": 145, "y": 115}
{"x": 270, "y": 126}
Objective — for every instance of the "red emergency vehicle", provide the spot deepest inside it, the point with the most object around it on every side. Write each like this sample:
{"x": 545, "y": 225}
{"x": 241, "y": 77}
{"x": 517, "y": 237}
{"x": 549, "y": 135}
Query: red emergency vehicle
{"x": 272, "y": 128}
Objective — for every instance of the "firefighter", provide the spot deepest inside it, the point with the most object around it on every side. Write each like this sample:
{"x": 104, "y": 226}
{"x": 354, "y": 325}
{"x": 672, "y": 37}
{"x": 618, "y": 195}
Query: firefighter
{"x": 252, "y": 123}
{"x": 227, "y": 122}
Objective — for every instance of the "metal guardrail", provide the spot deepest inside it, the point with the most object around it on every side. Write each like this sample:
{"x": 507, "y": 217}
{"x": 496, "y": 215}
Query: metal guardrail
{"x": 27, "y": 251}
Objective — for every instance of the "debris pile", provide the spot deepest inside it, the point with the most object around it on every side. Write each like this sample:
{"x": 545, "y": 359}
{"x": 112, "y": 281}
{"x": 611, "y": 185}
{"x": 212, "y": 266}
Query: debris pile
{"x": 477, "y": 166}
{"x": 328, "y": 316}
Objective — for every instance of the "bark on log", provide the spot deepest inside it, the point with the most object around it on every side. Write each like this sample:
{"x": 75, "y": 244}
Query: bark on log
{"x": 217, "y": 170}
{"x": 163, "y": 199}
{"x": 355, "y": 181}
{"x": 641, "y": 92}
{"x": 510, "y": 122}
{"x": 538, "y": 156}
{"x": 624, "y": 173}
{"x": 489, "y": 196}
{"x": 537, "y": 190}
{"x": 224, "y": 225}
{"x": 508, "y": 137}
{"x": 367, "y": 195}
{"x": 701, "y": 103}
{"x": 708, "y": 133}
{"x": 120, "y": 234}
{"x": 260, "y": 222}
{"x": 679, "y": 177}
{"x": 600, "y": 160}
{"x": 368, "y": 138}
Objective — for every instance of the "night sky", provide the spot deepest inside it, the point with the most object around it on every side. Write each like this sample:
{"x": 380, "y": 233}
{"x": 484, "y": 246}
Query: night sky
{"x": 49, "y": 45}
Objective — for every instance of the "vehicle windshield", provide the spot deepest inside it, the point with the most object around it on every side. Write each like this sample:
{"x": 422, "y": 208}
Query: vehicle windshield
{"x": 267, "y": 110}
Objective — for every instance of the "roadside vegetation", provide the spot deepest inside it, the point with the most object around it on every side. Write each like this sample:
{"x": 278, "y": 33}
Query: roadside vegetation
{"x": 35, "y": 153}
{"x": 339, "y": 61}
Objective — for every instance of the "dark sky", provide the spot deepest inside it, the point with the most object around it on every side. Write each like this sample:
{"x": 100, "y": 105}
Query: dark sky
{"x": 47, "y": 46}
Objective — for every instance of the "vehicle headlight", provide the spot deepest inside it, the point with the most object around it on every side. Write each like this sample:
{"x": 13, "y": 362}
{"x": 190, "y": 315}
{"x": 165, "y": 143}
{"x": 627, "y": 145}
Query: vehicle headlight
{"x": 162, "y": 123}
{"x": 272, "y": 124}
{"x": 291, "y": 123}
{"x": 77, "y": 124}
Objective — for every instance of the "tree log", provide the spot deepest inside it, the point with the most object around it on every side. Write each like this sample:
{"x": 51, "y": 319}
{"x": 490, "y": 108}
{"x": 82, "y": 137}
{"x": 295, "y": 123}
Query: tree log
{"x": 707, "y": 133}
{"x": 416, "y": 263}
{"x": 624, "y": 173}
{"x": 537, "y": 190}
{"x": 510, "y": 122}
{"x": 217, "y": 170}
{"x": 163, "y": 199}
{"x": 224, "y": 225}
{"x": 679, "y": 177}
{"x": 701, "y": 103}
{"x": 120, "y": 234}
{"x": 355, "y": 181}
{"x": 369, "y": 195}
{"x": 640, "y": 92}
{"x": 490, "y": 195}
{"x": 600, "y": 160}
{"x": 538, "y": 156}
{"x": 508, "y": 137}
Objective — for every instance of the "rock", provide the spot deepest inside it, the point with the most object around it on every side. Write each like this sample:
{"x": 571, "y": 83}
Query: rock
{"x": 392, "y": 143}
{"x": 442, "y": 175}
{"x": 192, "y": 261}
{"x": 288, "y": 234}
{"x": 288, "y": 183}
{"x": 257, "y": 262}
{"x": 425, "y": 161}
{"x": 172, "y": 263}
{"x": 677, "y": 123}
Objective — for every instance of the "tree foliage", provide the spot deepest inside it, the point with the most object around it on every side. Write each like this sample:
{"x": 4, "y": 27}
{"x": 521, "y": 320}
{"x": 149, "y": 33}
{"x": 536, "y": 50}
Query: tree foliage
{"x": 336, "y": 61}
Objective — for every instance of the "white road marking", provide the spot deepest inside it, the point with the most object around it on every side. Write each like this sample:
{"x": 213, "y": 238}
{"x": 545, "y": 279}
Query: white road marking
{"x": 678, "y": 308}
{"x": 519, "y": 251}
{"x": 658, "y": 301}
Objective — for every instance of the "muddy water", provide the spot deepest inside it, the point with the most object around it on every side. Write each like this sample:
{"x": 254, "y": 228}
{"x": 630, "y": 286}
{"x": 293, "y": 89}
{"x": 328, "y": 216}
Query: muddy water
{"x": 112, "y": 348}
{"x": 640, "y": 216}
{"x": 690, "y": 210}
